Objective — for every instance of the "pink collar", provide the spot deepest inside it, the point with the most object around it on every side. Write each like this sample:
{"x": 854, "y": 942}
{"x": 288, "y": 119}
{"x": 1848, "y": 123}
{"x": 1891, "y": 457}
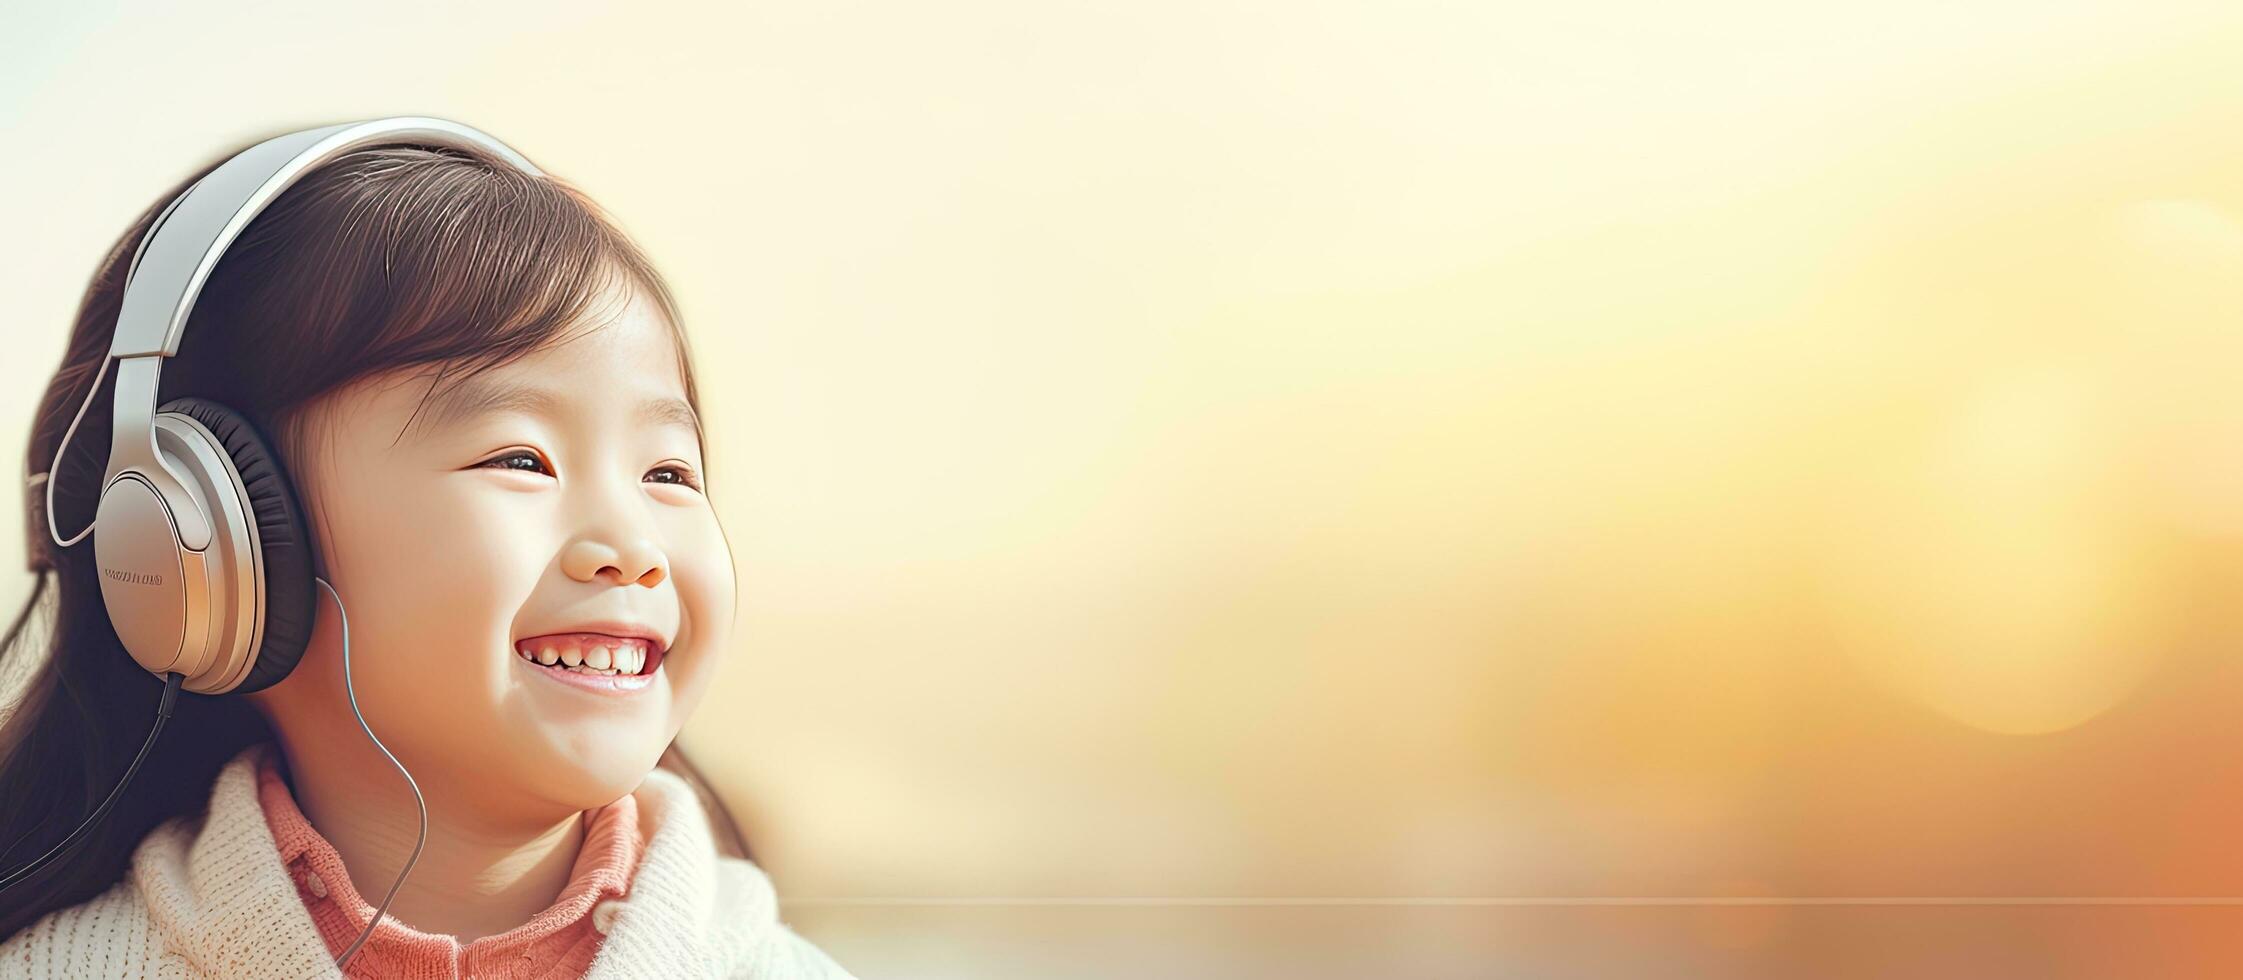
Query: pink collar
{"x": 559, "y": 941}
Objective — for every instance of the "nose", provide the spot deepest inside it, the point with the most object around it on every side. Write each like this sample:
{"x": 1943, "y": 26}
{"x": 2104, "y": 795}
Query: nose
{"x": 625, "y": 561}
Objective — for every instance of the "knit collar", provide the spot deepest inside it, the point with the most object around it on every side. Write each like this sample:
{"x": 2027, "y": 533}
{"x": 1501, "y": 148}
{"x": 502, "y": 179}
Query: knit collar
{"x": 217, "y": 891}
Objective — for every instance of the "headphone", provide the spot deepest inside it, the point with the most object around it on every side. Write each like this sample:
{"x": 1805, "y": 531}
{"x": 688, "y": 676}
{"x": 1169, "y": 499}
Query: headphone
{"x": 206, "y": 565}
{"x": 207, "y": 569}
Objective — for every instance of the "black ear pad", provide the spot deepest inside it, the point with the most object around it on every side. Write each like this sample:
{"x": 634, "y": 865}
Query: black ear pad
{"x": 290, "y": 593}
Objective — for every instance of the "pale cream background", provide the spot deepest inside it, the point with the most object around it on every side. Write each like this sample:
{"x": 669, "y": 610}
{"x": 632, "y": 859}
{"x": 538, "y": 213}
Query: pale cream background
{"x": 1384, "y": 452}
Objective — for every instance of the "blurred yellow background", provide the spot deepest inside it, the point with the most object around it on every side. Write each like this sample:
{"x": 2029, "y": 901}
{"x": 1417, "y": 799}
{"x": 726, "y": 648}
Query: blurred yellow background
{"x": 1231, "y": 489}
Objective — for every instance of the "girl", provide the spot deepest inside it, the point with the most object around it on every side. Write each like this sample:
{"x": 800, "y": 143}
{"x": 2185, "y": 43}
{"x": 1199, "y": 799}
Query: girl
{"x": 484, "y": 400}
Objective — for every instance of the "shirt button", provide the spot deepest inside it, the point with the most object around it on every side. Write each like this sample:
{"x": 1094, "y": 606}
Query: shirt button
{"x": 603, "y": 914}
{"x": 314, "y": 885}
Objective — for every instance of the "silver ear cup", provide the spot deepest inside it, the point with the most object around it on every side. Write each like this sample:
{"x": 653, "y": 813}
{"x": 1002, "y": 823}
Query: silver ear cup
{"x": 148, "y": 581}
{"x": 232, "y": 617}
{"x": 235, "y": 615}
{"x": 194, "y": 612}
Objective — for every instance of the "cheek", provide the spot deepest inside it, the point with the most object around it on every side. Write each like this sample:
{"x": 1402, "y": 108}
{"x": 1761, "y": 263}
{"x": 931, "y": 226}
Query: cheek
{"x": 701, "y": 571}
{"x": 432, "y": 581}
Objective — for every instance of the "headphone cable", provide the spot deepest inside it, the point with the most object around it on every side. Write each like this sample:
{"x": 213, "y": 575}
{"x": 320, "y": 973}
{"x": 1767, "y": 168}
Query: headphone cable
{"x": 163, "y": 713}
{"x": 340, "y": 961}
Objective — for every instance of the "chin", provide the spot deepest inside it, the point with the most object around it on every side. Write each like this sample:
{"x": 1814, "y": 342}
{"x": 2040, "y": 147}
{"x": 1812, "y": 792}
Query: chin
{"x": 584, "y": 781}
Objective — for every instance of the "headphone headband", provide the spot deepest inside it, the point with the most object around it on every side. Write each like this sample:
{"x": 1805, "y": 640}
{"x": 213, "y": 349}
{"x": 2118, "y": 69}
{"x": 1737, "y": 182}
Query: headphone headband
{"x": 185, "y": 243}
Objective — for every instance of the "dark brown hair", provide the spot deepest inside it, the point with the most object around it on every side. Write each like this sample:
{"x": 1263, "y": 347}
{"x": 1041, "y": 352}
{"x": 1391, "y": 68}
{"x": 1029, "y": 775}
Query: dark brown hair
{"x": 388, "y": 256}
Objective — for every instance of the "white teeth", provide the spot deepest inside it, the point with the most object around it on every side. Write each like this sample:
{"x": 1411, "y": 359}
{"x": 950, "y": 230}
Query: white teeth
{"x": 628, "y": 657}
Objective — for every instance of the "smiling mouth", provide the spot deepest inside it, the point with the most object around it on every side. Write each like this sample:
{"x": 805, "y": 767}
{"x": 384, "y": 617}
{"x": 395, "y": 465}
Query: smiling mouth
{"x": 594, "y": 654}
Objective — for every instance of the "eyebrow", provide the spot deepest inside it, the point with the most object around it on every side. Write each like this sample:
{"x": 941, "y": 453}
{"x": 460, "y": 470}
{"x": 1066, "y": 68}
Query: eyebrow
{"x": 477, "y": 397}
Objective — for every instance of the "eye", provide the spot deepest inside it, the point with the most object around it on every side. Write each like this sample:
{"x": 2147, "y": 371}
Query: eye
{"x": 536, "y": 463}
{"x": 684, "y": 476}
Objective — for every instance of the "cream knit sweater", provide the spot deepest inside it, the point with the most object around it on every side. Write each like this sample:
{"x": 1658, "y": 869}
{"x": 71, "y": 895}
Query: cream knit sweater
{"x": 209, "y": 897}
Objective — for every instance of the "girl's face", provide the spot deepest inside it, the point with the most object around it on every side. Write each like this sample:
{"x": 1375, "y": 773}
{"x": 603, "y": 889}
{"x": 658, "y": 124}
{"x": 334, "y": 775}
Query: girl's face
{"x": 557, "y": 494}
